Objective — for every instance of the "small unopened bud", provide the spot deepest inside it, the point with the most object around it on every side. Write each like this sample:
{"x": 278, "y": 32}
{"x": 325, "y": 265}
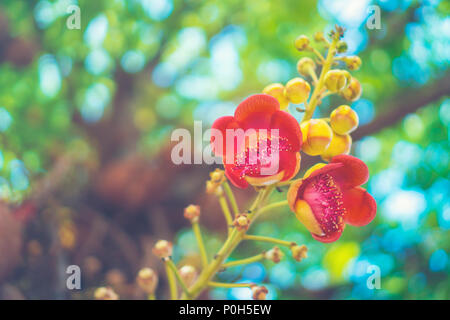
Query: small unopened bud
{"x": 147, "y": 280}
{"x": 317, "y": 135}
{"x": 188, "y": 274}
{"x": 259, "y": 292}
{"x": 299, "y": 252}
{"x": 105, "y": 293}
{"x": 297, "y": 90}
{"x": 341, "y": 46}
{"x": 353, "y": 91}
{"x": 353, "y": 62}
{"x": 242, "y": 222}
{"x": 304, "y": 65}
{"x": 217, "y": 176}
{"x": 192, "y": 212}
{"x": 302, "y": 43}
{"x": 163, "y": 249}
{"x": 276, "y": 90}
{"x": 335, "y": 80}
{"x": 340, "y": 144}
{"x": 318, "y": 36}
{"x": 344, "y": 120}
{"x": 274, "y": 254}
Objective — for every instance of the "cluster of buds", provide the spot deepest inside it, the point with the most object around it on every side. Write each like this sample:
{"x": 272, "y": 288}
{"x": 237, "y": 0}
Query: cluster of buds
{"x": 241, "y": 222}
{"x": 296, "y": 91}
{"x": 213, "y": 185}
{"x": 105, "y": 293}
{"x": 329, "y": 140}
{"x": 274, "y": 254}
{"x": 147, "y": 280}
{"x": 192, "y": 213}
{"x": 299, "y": 252}
{"x": 259, "y": 292}
{"x": 163, "y": 249}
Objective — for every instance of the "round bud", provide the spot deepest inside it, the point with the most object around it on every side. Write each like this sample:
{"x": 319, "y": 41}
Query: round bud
{"x": 304, "y": 65}
{"x": 217, "y": 176}
{"x": 276, "y": 90}
{"x": 163, "y": 249}
{"x": 147, "y": 280}
{"x": 318, "y": 36}
{"x": 274, "y": 254}
{"x": 353, "y": 62}
{"x": 302, "y": 43}
{"x": 188, "y": 274}
{"x": 297, "y": 90}
{"x": 241, "y": 222}
{"x": 192, "y": 212}
{"x": 335, "y": 80}
{"x": 299, "y": 252}
{"x": 105, "y": 293}
{"x": 341, "y": 46}
{"x": 316, "y": 135}
{"x": 344, "y": 120}
{"x": 340, "y": 144}
{"x": 259, "y": 292}
{"x": 353, "y": 91}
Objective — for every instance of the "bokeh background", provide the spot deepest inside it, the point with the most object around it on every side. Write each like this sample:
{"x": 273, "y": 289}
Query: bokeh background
{"x": 85, "y": 123}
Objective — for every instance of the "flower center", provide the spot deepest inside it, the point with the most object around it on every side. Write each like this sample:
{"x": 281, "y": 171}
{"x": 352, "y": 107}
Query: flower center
{"x": 325, "y": 199}
{"x": 262, "y": 152}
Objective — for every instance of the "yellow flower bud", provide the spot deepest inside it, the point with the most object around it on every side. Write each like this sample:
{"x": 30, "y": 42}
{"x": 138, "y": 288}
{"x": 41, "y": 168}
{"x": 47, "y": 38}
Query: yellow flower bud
{"x": 304, "y": 65}
{"x": 188, "y": 274}
{"x": 274, "y": 254}
{"x": 340, "y": 144}
{"x": 276, "y": 90}
{"x": 353, "y": 62}
{"x": 335, "y": 80}
{"x": 163, "y": 249}
{"x": 299, "y": 252}
{"x": 344, "y": 120}
{"x": 341, "y": 46}
{"x": 317, "y": 136}
{"x": 241, "y": 222}
{"x": 192, "y": 212}
{"x": 217, "y": 176}
{"x": 297, "y": 90}
{"x": 353, "y": 91}
{"x": 147, "y": 280}
{"x": 302, "y": 43}
{"x": 259, "y": 292}
{"x": 105, "y": 293}
{"x": 318, "y": 36}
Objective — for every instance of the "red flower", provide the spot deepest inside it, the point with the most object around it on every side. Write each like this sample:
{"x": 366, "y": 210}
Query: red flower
{"x": 331, "y": 197}
{"x": 264, "y": 156}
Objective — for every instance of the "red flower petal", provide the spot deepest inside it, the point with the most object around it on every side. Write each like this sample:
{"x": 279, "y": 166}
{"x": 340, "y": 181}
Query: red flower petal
{"x": 235, "y": 177}
{"x": 290, "y": 164}
{"x": 222, "y": 124}
{"x": 354, "y": 171}
{"x": 330, "y": 237}
{"x": 361, "y": 207}
{"x": 288, "y": 127}
{"x": 258, "y": 103}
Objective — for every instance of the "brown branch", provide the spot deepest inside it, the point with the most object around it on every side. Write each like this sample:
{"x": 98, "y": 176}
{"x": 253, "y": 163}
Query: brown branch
{"x": 405, "y": 103}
